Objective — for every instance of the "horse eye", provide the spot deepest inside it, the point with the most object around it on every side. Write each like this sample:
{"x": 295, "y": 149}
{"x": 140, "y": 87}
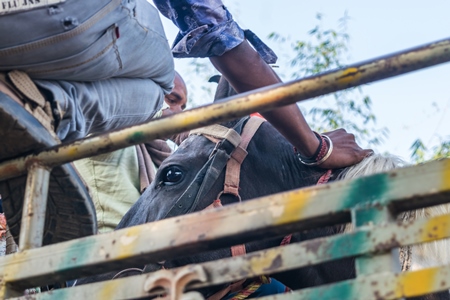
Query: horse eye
{"x": 172, "y": 175}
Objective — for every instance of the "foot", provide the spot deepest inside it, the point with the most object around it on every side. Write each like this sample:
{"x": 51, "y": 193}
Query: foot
{"x": 70, "y": 211}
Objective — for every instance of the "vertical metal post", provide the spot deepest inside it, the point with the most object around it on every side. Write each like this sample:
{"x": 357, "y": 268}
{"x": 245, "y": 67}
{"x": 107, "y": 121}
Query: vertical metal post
{"x": 34, "y": 208}
{"x": 383, "y": 262}
{"x": 33, "y": 218}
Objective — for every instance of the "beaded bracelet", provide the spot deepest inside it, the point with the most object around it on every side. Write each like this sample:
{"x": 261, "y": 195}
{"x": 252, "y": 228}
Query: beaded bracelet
{"x": 322, "y": 153}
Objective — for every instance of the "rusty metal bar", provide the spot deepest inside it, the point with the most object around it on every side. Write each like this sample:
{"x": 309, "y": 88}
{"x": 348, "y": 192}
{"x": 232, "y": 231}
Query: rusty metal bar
{"x": 259, "y": 100}
{"x": 382, "y": 262}
{"x": 271, "y": 215}
{"x": 380, "y": 286}
{"x": 33, "y": 217}
{"x": 275, "y": 260}
{"x": 34, "y": 208}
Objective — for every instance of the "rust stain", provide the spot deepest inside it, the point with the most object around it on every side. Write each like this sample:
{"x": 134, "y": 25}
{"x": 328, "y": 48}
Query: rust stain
{"x": 393, "y": 175}
{"x": 224, "y": 271}
{"x": 313, "y": 246}
{"x": 276, "y": 263}
{"x": 392, "y": 243}
{"x": 377, "y": 295}
{"x": 31, "y": 162}
{"x": 11, "y": 169}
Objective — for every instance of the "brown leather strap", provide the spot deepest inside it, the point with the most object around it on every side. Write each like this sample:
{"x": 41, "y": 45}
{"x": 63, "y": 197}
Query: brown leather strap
{"x": 238, "y": 250}
{"x": 27, "y": 87}
{"x": 21, "y": 85}
{"x": 231, "y": 186}
{"x": 219, "y": 131}
{"x": 233, "y": 171}
{"x": 235, "y": 250}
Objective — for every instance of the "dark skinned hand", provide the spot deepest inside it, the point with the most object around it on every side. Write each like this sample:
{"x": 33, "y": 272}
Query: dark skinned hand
{"x": 346, "y": 151}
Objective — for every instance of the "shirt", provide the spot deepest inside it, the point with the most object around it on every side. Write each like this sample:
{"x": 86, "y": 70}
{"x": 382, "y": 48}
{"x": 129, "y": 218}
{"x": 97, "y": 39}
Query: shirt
{"x": 207, "y": 29}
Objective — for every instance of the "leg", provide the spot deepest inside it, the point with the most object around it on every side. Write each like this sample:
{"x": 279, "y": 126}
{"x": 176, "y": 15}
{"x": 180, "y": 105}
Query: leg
{"x": 104, "y": 105}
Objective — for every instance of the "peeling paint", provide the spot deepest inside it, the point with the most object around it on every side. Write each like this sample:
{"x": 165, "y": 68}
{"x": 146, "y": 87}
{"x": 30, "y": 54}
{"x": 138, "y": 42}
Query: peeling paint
{"x": 127, "y": 240}
{"x": 349, "y": 75}
{"x": 276, "y": 211}
{"x": 313, "y": 246}
{"x": 276, "y": 263}
{"x": 102, "y": 252}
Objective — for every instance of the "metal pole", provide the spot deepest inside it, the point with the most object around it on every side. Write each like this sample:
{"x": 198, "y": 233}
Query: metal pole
{"x": 34, "y": 208}
{"x": 259, "y": 100}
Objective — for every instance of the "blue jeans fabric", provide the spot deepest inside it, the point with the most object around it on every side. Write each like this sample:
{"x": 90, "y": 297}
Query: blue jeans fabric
{"x": 118, "y": 46}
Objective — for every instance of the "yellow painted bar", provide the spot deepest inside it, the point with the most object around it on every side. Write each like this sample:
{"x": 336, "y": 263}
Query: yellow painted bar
{"x": 275, "y": 214}
{"x": 384, "y": 286}
{"x": 259, "y": 100}
{"x": 293, "y": 256}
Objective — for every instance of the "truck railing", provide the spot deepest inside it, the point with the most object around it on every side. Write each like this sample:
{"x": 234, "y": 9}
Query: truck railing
{"x": 378, "y": 278}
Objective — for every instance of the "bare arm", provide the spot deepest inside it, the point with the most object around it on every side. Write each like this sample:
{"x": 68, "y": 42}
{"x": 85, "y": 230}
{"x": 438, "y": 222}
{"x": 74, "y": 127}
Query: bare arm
{"x": 245, "y": 70}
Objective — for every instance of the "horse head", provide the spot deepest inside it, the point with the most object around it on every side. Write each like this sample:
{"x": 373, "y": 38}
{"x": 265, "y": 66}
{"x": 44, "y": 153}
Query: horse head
{"x": 195, "y": 176}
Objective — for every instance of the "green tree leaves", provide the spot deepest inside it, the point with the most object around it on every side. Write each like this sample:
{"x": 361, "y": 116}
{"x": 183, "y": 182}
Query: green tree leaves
{"x": 324, "y": 50}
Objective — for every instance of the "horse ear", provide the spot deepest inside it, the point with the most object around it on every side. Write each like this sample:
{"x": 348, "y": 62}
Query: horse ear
{"x": 215, "y": 78}
{"x": 224, "y": 90}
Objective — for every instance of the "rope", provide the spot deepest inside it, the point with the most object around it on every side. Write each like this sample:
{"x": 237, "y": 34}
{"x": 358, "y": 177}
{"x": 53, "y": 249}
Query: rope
{"x": 251, "y": 288}
{"x": 127, "y": 270}
{"x": 2, "y": 226}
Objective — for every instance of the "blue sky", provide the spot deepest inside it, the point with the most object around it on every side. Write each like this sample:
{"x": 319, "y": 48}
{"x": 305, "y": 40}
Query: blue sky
{"x": 411, "y": 106}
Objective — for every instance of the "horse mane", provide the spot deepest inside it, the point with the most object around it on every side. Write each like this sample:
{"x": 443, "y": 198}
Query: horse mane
{"x": 375, "y": 163}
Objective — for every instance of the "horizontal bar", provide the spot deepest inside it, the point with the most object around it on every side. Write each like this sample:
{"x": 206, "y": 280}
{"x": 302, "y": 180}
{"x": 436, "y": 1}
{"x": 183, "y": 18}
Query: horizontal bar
{"x": 280, "y": 259}
{"x": 272, "y": 215}
{"x": 259, "y": 100}
{"x": 380, "y": 286}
